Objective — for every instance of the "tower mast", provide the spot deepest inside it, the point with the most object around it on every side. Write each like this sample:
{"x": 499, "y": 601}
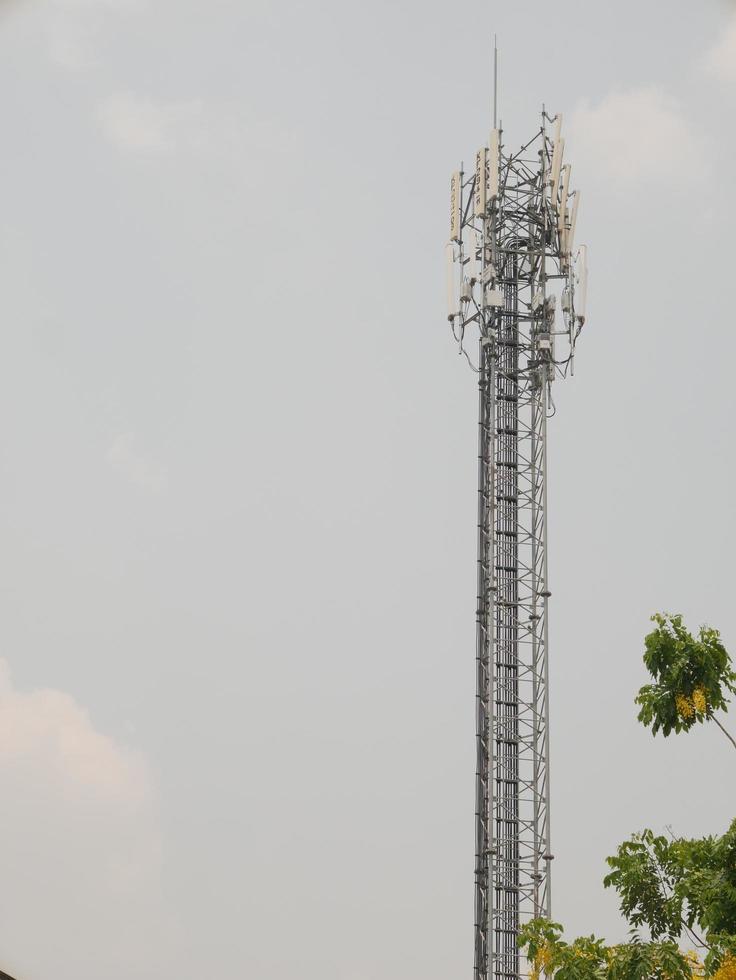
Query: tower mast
{"x": 511, "y": 251}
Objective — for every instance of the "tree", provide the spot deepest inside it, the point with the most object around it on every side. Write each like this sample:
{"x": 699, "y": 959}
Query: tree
{"x": 588, "y": 958}
{"x": 672, "y": 888}
{"x": 680, "y": 886}
{"x": 692, "y": 677}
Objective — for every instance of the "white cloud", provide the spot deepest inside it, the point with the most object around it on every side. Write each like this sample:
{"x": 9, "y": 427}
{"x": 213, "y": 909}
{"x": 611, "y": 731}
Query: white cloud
{"x": 217, "y": 133}
{"x": 635, "y": 137}
{"x": 81, "y": 857}
{"x": 720, "y": 60}
{"x": 48, "y": 732}
{"x": 141, "y": 124}
{"x": 128, "y": 461}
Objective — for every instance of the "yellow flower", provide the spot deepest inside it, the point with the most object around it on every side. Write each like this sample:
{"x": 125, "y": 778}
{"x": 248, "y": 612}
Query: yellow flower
{"x": 700, "y": 702}
{"x": 542, "y": 962}
{"x": 685, "y": 707}
{"x": 695, "y": 963}
{"x": 727, "y": 969}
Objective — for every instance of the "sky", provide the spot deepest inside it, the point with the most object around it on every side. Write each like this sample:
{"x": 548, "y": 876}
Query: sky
{"x": 238, "y": 465}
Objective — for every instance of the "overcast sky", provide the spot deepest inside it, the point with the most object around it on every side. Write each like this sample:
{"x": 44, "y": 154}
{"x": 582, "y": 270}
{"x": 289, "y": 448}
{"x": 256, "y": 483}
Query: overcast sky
{"x": 238, "y": 463}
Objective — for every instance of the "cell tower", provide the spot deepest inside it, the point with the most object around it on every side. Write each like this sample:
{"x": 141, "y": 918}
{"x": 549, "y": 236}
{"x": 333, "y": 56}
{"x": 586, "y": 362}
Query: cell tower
{"x": 511, "y": 252}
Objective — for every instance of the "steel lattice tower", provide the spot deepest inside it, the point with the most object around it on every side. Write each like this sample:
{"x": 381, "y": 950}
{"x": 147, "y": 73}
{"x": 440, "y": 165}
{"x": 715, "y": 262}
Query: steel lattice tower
{"x": 511, "y": 244}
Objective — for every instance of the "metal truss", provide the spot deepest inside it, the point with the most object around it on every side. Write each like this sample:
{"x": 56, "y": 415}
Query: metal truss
{"x": 512, "y": 239}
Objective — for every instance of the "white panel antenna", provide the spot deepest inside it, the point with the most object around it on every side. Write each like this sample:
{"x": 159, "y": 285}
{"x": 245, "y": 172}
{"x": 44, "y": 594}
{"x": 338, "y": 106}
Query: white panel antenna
{"x": 452, "y": 303}
{"x": 556, "y": 167}
{"x": 580, "y": 305}
{"x": 493, "y": 163}
{"x": 573, "y": 222}
{"x": 563, "y": 199}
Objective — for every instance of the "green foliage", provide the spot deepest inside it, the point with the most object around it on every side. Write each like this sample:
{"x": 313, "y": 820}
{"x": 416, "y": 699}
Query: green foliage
{"x": 672, "y": 885}
{"x": 682, "y": 667}
{"x": 540, "y": 936}
{"x": 584, "y": 959}
{"x": 639, "y": 960}
{"x": 588, "y": 958}
{"x": 708, "y": 880}
{"x": 722, "y": 951}
{"x": 643, "y": 872}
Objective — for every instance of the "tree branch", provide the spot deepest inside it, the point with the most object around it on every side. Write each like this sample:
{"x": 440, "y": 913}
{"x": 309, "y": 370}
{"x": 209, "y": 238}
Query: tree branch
{"x": 668, "y": 889}
{"x": 698, "y": 940}
{"x": 727, "y": 734}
